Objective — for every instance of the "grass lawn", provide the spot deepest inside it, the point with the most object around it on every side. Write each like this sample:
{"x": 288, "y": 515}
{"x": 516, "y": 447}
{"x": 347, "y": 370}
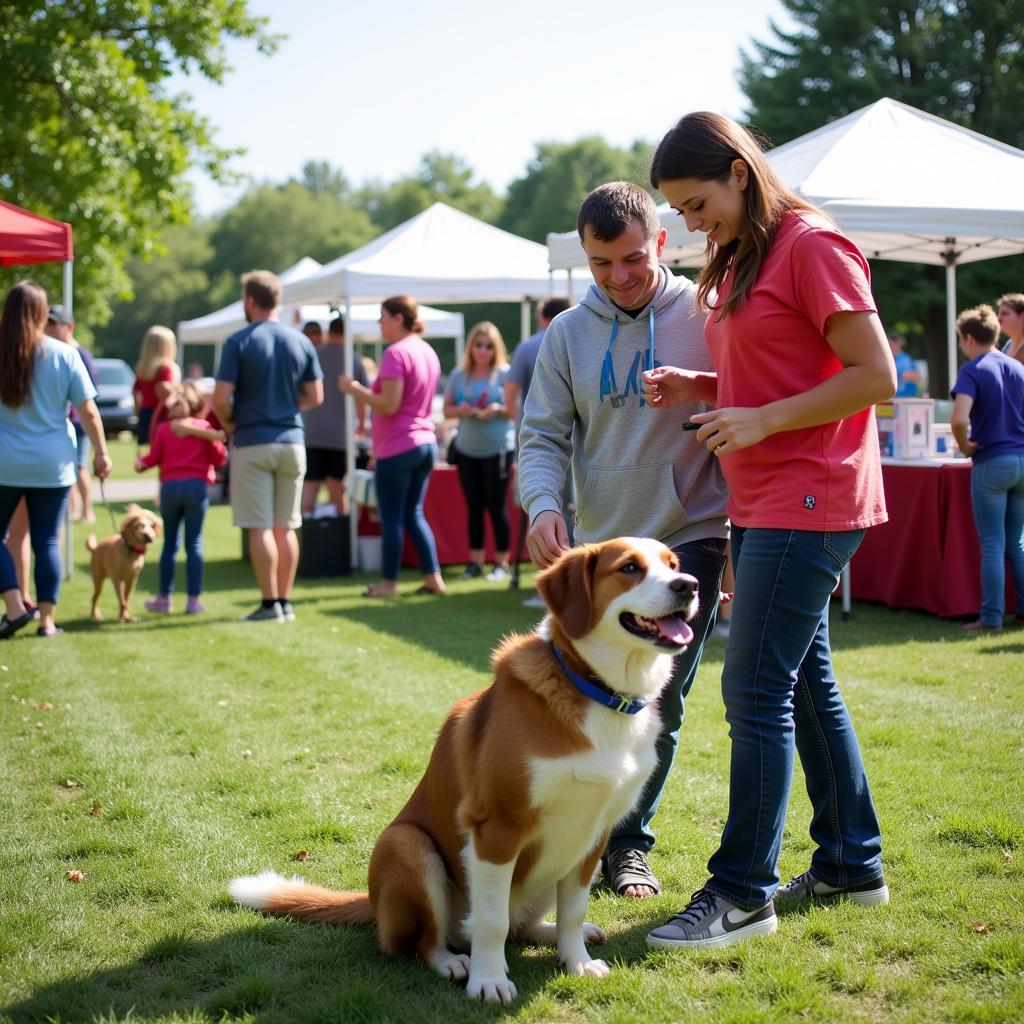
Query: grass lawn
{"x": 163, "y": 757}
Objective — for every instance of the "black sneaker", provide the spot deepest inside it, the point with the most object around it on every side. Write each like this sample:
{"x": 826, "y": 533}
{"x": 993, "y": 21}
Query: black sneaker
{"x": 807, "y": 887}
{"x": 264, "y": 614}
{"x": 710, "y": 920}
{"x": 472, "y": 571}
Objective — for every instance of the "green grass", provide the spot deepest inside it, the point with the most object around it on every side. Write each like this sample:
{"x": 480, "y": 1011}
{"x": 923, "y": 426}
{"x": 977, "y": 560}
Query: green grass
{"x": 163, "y": 757}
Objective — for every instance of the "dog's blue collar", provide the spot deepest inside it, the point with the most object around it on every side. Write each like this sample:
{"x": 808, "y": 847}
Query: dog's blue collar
{"x": 595, "y": 691}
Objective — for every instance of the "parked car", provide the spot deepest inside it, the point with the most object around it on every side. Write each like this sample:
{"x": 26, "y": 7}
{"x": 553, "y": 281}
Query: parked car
{"x": 114, "y": 398}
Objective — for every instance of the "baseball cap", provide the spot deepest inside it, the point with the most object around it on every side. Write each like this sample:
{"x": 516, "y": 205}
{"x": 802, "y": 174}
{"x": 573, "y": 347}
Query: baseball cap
{"x": 58, "y": 316}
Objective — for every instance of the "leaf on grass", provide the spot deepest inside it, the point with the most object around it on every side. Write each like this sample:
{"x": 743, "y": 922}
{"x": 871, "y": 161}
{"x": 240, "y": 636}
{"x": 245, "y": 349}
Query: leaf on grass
{"x": 1007, "y": 857}
{"x": 301, "y": 855}
{"x": 246, "y": 753}
{"x": 980, "y": 927}
{"x": 96, "y": 810}
{"x": 75, "y": 876}
{"x": 71, "y": 784}
{"x": 4, "y": 668}
{"x": 44, "y": 705}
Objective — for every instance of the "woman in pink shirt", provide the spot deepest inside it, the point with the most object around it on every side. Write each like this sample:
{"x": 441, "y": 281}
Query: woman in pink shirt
{"x": 800, "y": 358}
{"x": 404, "y": 442}
{"x": 188, "y": 451}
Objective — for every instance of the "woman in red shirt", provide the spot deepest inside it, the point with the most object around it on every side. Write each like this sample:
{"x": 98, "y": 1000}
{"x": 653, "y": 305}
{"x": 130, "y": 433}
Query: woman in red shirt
{"x": 800, "y": 357}
{"x": 188, "y": 451}
{"x": 156, "y": 373}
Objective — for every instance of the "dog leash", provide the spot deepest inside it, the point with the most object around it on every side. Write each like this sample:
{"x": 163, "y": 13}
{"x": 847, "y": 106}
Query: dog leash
{"x": 103, "y": 498}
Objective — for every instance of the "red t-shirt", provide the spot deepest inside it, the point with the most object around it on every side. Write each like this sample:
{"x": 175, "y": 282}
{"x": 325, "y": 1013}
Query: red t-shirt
{"x": 818, "y": 478}
{"x": 182, "y": 458}
{"x": 144, "y": 389}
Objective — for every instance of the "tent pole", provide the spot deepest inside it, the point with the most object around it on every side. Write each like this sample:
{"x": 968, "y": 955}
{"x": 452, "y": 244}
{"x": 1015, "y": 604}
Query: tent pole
{"x": 524, "y": 318}
{"x": 69, "y": 298}
{"x": 951, "y": 317}
{"x": 568, "y": 279}
{"x": 69, "y": 529}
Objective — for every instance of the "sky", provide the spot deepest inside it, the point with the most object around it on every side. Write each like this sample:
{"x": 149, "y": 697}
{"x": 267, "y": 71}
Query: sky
{"x": 372, "y": 86}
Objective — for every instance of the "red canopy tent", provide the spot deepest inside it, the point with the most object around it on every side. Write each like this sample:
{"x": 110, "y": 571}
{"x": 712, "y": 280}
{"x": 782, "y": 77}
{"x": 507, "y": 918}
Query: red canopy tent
{"x": 28, "y": 238}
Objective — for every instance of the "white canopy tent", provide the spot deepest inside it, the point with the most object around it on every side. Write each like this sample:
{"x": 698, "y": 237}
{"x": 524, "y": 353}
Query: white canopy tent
{"x": 214, "y": 328}
{"x": 905, "y": 185}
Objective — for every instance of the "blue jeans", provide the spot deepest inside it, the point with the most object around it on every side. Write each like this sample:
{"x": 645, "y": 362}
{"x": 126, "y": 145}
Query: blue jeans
{"x": 997, "y": 497}
{"x": 401, "y": 486}
{"x": 781, "y": 694}
{"x": 183, "y": 501}
{"x": 705, "y": 560}
{"x": 45, "y": 512}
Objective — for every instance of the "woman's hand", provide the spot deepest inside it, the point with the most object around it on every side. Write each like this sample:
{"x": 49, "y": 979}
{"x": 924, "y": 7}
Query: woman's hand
{"x": 666, "y": 386}
{"x": 345, "y": 384}
{"x": 102, "y": 464}
{"x": 140, "y": 466}
{"x": 729, "y": 430}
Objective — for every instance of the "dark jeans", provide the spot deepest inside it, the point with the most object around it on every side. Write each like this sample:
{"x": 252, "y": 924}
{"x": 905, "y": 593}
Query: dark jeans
{"x": 781, "y": 698}
{"x": 401, "y": 486}
{"x": 45, "y": 512}
{"x": 485, "y": 484}
{"x": 997, "y": 499}
{"x": 183, "y": 501}
{"x": 704, "y": 559}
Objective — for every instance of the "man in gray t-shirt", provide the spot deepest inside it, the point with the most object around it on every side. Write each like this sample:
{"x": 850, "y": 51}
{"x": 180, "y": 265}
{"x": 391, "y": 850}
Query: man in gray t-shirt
{"x": 326, "y": 434}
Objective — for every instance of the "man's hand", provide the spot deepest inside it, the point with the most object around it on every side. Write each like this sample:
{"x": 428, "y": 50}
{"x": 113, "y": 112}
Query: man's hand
{"x": 102, "y": 464}
{"x": 547, "y": 538}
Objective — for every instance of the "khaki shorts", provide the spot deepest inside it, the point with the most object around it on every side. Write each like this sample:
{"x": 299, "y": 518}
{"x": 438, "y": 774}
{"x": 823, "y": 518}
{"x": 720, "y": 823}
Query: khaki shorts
{"x": 266, "y": 485}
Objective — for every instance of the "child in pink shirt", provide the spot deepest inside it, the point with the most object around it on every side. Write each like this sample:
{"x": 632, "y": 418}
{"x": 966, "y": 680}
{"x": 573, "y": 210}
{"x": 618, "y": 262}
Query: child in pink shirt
{"x": 188, "y": 451}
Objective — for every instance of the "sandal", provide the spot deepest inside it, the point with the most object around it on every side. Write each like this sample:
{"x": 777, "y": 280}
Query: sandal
{"x": 625, "y": 868}
{"x": 48, "y": 634}
{"x": 429, "y": 590}
{"x": 8, "y": 627}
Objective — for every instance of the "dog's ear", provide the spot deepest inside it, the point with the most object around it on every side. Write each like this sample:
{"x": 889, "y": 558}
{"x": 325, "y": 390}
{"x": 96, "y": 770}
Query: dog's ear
{"x": 132, "y": 509}
{"x": 568, "y": 589}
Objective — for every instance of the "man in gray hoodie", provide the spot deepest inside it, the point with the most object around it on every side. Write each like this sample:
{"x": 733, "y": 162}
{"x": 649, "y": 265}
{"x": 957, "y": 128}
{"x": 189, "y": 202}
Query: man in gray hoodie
{"x": 637, "y": 473}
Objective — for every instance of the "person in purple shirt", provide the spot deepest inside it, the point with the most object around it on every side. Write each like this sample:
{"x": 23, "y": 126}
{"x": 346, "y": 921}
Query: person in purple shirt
{"x": 988, "y": 398}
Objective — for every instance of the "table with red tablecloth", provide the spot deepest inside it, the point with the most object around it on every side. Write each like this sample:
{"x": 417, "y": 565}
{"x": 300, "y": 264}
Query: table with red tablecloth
{"x": 927, "y": 555}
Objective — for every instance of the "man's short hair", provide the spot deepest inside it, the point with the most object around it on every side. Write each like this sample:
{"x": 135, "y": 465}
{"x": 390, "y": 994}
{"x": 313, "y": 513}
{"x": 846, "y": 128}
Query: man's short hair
{"x": 263, "y": 287}
{"x": 337, "y": 326}
{"x": 979, "y": 324}
{"x": 608, "y": 210}
{"x": 555, "y": 305}
{"x": 312, "y": 327}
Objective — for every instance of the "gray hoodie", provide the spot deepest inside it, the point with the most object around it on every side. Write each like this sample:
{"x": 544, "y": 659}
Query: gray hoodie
{"x": 637, "y": 472}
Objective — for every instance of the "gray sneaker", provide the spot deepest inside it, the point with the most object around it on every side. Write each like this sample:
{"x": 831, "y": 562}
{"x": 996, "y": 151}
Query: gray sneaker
{"x": 536, "y": 601}
{"x": 272, "y": 614}
{"x": 807, "y": 887}
{"x": 288, "y": 611}
{"x": 709, "y": 920}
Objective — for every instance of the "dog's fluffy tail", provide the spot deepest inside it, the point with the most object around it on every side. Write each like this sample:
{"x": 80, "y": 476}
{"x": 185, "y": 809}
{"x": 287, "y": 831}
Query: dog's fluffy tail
{"x": 274, "y": 894}
{"x": 90, "y": 542}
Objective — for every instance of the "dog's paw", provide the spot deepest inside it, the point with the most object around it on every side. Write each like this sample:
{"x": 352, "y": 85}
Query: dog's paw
{"x": 589, "y": 969}
{"x": 498, "y": 989}
{"x": 593, "y": 935}
{"x": 453, "y": 966}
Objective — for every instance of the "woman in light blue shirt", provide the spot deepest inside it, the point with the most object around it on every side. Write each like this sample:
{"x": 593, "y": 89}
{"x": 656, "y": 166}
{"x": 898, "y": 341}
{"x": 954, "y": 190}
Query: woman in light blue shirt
{"x": 39, "y": 376}
{"x": 485, "y": 443}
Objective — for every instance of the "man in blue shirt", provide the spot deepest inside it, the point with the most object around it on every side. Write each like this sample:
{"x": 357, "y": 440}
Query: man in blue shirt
{"x": 268, "y": 375}
{"x": 908, "y": 379}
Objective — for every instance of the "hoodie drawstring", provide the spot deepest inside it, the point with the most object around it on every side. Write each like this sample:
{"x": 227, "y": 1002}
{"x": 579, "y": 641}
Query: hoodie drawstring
{"x": 608, "y": 383}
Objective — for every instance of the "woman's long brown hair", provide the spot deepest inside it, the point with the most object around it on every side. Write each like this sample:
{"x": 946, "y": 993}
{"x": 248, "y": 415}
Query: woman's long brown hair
{"x": 21, "y": 327}
{"x": 703, "y": 146}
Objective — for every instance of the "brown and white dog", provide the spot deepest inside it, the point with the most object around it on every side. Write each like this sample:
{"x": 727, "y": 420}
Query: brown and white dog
{"x": 121, "y": 557}
{"x": 526, "y": 780}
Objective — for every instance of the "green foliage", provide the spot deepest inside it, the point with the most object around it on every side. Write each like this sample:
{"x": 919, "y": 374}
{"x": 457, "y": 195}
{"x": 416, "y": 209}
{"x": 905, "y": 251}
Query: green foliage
{"x": 547, "y": 198}
{"x": 89, "y": 134}
{"x": 958, "y": 59}
{"x": 440, "y": 177}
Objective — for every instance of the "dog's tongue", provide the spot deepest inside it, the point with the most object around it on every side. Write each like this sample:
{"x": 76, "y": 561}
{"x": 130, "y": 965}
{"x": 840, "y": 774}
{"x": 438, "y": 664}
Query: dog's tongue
{"x": 675, "y": 630}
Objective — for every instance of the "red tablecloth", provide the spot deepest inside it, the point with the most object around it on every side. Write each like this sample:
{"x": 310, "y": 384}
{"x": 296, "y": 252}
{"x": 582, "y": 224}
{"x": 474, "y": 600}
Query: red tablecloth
{"x": 445, "y": 509}
{"x": 927, "y": 555}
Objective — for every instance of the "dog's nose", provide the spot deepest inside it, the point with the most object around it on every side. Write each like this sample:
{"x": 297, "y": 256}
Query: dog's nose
{"x": 685, "y": 586}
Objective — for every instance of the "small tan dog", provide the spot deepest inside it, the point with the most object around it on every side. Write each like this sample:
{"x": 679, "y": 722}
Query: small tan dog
{"x": 121, "y": 556}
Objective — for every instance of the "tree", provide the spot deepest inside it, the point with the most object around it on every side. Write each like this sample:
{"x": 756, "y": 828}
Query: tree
{"x": 88, "y": 132}
{"x": 547, "y": 198}
{"x": 958, "y": 59}
{"x": 440, "y": 177}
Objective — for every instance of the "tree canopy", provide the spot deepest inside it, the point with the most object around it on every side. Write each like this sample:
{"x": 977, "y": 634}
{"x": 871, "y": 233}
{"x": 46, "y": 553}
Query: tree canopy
{"x": 89, "y": 133}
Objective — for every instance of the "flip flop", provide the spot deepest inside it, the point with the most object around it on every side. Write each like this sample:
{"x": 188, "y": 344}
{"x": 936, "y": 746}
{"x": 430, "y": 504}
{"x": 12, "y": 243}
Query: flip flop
{"x": 429, "y": 590}
{"x": 8, "y": 627}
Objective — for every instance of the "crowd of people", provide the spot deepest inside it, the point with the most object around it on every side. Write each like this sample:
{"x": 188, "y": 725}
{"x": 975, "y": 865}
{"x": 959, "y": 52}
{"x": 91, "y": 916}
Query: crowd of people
{"x": 686, "y": 393}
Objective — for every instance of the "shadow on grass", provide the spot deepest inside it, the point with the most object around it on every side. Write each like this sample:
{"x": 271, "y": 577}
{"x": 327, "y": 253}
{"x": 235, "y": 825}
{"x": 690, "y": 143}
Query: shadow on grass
{"x": 277, "y": 970}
